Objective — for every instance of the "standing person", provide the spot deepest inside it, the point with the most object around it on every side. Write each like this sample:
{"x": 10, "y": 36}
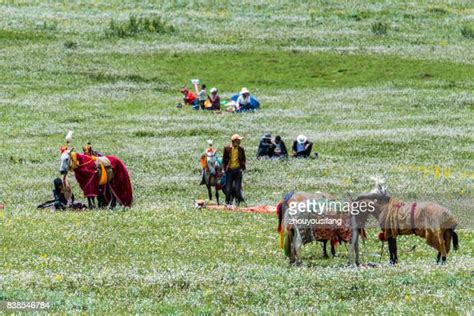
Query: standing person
{"x": 302, "y": 147}
{"x": 202, "y": 96}
{"x": 233, "y": 165}
{"x": 266, "y": 147}
{"x": 215, "y": 100}
{"x": 243, "y": 101}
{"x": 280, "y": 148}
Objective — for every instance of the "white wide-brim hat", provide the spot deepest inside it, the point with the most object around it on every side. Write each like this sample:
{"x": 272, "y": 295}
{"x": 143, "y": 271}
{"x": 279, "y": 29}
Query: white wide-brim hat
{"x": 213, "y": 90}
{"x": 244, "y": 90}
{"x": 301, "y": 139}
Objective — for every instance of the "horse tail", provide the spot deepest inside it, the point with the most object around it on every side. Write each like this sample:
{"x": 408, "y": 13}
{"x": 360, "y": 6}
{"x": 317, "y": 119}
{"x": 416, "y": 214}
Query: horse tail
{"x": 120, "y": 185}
{"x": 280, "y": 223}
{"x": 454, "y": 235}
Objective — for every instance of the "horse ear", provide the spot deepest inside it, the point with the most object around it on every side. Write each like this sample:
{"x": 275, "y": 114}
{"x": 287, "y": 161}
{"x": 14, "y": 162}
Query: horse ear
{"x": 349, "y": 195}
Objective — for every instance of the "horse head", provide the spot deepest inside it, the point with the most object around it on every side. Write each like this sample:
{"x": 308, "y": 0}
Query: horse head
{"x": 369, "y": 203}
{"x": 65, "y": 161}
{"x": 212, "y": 163}
{"x": 379, "y": 186}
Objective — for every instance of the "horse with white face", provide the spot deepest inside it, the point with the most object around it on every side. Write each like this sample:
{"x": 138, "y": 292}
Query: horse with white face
{"x": 213, "y": 174}
{"x": 105, "y": 178}
{"x": 428, "y": 220}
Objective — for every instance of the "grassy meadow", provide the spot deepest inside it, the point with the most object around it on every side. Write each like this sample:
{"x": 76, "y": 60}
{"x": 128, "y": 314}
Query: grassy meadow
{"x": 380, "y": 87}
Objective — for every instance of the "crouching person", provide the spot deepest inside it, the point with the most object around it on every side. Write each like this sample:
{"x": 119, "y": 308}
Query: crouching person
{"x": 63, "y": 197}
{"x": 302, "y": 147}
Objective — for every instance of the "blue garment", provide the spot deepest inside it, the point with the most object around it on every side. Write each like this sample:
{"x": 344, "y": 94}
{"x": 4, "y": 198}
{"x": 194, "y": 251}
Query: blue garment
{"x": 300, "y": 147}
{"x": 254, "y": 104}
{"x": 196, "y": 104}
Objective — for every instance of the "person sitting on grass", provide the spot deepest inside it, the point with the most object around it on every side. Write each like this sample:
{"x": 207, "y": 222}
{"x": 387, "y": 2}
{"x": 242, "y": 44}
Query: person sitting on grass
{"x": 279, "y": 151}
{"x": 243, "y": 101}
{"x": 215, "y": 100}
{"x": 189, "y": 97}
{"x": 302, "y": 147}
{"x": 265, "y": 147}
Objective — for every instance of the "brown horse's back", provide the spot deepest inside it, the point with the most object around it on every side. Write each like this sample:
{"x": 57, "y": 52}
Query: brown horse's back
{"x": 428, "y": 220}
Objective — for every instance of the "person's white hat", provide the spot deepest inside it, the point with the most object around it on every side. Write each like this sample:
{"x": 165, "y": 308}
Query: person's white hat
{"x": 301, "y": 139}
{"x": 213, "y": 90}
{"x": 244, "y": 90}
{"x": 210, "y": 142}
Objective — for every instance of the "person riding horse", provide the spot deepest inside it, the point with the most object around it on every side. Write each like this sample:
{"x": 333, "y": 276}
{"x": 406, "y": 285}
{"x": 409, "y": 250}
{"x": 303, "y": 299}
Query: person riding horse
{"x": 87, "y": 149}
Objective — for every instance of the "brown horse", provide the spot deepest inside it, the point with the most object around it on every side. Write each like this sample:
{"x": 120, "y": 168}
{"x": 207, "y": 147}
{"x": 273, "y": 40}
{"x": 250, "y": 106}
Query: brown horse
{"x": 427, "y": 220}
{"x": 299, "y": 228}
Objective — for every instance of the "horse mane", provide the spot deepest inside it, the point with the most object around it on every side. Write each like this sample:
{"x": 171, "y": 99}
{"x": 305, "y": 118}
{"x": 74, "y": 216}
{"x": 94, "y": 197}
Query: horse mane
{"x": 394, "y": 202}
{"x": 374, "y": 196}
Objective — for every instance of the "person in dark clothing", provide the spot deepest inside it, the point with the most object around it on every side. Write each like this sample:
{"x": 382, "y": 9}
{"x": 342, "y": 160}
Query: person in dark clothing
{"x": 233, "y": 162}
{"x": 61, "y": 195}
{"x": 279, "y": 151}
{"x": 302, "y": 147}
{"x": 266, "y": 147}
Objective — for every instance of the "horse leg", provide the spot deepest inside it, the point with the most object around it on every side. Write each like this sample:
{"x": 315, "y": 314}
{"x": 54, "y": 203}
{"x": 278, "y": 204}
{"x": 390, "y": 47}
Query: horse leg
{"x": 354, "y": 248}
{"x": 447, "y": 241}
{"x": 217, "y": 195}
{"x": 438, "y": 258}
{"x": 333, "y": 250}
{"x": 325, "y": 252}
{"x": 294, "y": 257}
{"x": 91, "y": 203}
{"x": 392, "y": 247}
{"x": 209, "y": 191}
{"x": 113, "y": 202}
{"x": 291, "y": 246}
{"x": 442, "y": 244}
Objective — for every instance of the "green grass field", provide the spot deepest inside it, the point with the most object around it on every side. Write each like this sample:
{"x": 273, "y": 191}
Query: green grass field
{"x": 380, "y": 87}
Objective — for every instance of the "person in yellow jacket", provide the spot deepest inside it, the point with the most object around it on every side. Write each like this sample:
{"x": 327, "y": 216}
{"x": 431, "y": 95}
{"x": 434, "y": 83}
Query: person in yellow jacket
{"x": 234, "y": 164}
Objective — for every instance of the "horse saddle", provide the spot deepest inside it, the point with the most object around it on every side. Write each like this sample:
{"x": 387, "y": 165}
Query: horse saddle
{"x": 104, "y": 170}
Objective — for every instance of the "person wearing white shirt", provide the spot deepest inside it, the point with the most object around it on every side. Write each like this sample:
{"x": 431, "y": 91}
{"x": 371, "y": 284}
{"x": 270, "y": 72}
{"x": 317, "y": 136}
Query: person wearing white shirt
{"x": 243, "y": 101}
